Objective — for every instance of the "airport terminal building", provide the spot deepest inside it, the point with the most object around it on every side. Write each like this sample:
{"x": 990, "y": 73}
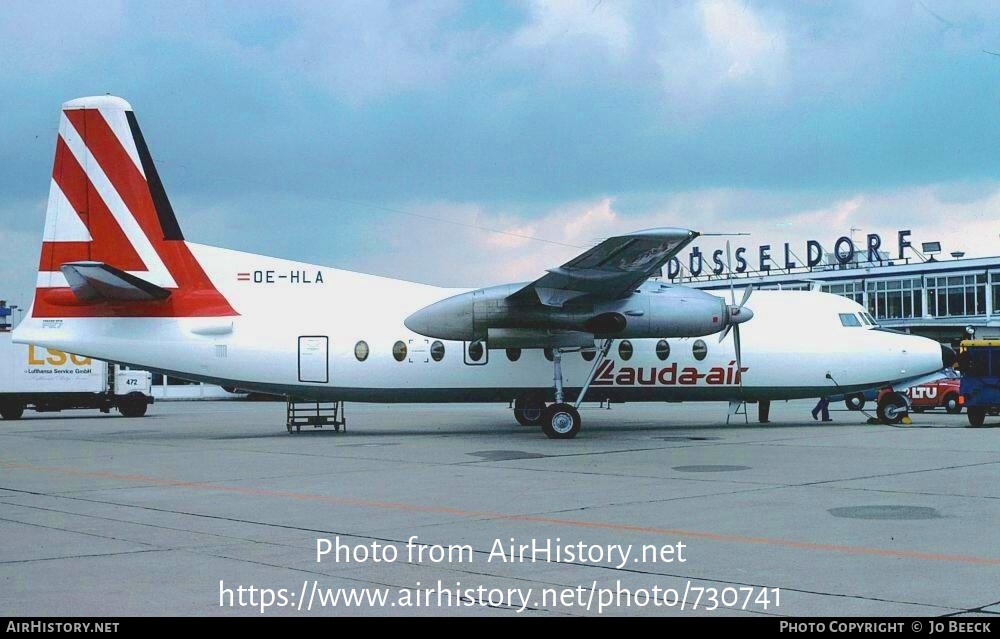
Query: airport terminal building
{"x": 917, "y": 291}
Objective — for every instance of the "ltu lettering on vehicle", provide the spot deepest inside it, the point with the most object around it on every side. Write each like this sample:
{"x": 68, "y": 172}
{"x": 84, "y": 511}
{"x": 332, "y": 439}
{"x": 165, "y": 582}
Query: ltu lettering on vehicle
{"x": 609, "y": 375}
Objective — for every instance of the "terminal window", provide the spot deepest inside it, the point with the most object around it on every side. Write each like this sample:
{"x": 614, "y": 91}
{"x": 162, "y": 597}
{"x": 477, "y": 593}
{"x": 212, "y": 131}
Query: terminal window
{"x": 956, "y": 295}
{"x": 996, "y": 294}
{"x": 895, "y": 299}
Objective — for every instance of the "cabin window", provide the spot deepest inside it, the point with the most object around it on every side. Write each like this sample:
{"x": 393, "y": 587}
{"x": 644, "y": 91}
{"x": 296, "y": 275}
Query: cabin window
{"x": 399, "y": 351}
{"x": 699, "y": 349}
{"x": 663, "y": 349}
{"x": 548, "y": 354}
{"x": 588, "y": 355}
{"x": 437, "y": 351}
{"x": 513, "y": 354}
{"x": 476, "y": 351}
{"x": 361, "y": 350}
{"x": 849, "y": 319}
{"x": 625, "y": 350}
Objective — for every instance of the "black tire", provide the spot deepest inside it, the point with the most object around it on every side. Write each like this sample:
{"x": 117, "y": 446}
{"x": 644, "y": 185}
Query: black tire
{"x": 855, "y": 401}
{"x": 11, "y": 410}
{"x": 951, "y": 404}
{"x": 977, "y": 416}
{"x": 892, "y": 408}
{"x": 133, "y": 405}
{"x": 529, "y": 412}
{"x": 561, "y": 421}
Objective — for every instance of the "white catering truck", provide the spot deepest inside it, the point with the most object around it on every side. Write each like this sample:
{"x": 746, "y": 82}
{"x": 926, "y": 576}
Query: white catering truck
{"x": 47, "y": 380}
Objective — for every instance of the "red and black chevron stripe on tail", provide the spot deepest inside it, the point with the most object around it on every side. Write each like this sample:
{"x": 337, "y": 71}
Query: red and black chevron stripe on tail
{"x": 108, "y": 205}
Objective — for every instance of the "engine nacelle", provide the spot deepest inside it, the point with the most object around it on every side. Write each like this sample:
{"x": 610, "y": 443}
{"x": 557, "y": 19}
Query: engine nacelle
{"x": 656, "y": 310}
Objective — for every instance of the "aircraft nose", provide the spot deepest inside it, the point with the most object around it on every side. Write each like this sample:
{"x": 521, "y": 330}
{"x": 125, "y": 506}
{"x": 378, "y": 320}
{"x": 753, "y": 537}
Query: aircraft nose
{"x": 948, "y": 356}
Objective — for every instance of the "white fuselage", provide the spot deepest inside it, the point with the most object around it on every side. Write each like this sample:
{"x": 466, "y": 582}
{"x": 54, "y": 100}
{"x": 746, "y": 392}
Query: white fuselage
{"x": 795, "y": 345}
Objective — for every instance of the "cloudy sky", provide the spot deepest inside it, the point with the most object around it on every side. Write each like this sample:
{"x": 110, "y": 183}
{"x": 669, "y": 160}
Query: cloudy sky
{"x": 398, "y": 137}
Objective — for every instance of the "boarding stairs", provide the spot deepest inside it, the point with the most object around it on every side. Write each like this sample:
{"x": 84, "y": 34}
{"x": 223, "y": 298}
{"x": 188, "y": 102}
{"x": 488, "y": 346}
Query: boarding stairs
{"x": 300, "y": 412}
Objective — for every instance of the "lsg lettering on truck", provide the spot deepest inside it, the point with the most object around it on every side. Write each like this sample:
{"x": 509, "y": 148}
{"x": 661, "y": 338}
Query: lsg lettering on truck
{"x": 56, "y": 358}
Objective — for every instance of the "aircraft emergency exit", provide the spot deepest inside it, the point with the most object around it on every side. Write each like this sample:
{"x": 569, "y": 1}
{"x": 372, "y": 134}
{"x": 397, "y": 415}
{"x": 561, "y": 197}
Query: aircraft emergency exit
{"x": 118, "y": 281}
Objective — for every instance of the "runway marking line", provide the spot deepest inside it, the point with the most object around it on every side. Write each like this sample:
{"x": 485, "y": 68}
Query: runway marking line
{"x": 540, "y": 519}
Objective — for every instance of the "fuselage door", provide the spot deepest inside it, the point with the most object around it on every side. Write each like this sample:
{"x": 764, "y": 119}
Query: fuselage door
{"x": 314, "y": 359}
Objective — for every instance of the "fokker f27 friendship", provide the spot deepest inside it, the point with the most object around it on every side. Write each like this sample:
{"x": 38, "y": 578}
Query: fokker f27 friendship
{"x": 118, "y": 281}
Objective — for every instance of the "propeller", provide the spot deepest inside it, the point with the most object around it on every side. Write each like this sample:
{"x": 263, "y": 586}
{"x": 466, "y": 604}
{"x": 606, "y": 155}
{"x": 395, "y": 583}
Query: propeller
{"x": 737, "y": 313}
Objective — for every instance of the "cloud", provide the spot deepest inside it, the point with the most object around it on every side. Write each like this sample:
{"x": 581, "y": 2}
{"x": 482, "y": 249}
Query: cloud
{"x": 560, "y": 120}
{"x": 462, "y": 256}
{"x": 46, "y": 37}
{"x": 716, "y": 49}
{"x": 835, "y": 215}
{"x": 576, "y": 23}
{"x": 749, "y": 47}
{"x": 454, "y": 244}
{"x": 22, "y": 244}
{"x": 362, "y": 50}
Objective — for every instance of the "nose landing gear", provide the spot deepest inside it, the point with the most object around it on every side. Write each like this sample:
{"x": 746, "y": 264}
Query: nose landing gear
{"x": 892, "y": 408}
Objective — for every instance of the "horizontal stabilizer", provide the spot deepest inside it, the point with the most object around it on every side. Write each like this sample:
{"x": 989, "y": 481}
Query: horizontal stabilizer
{"x": 97, "y": 281}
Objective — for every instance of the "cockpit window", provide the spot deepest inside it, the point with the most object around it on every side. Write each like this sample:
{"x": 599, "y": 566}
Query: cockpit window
{"x": 864, "y": 319}
{"x": 870, "y": 319}
{"x": 849, "y": 319}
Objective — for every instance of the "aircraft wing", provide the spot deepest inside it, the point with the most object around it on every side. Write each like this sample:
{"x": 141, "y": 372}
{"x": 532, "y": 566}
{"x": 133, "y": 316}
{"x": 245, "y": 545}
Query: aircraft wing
{"x": 609, "y": 271}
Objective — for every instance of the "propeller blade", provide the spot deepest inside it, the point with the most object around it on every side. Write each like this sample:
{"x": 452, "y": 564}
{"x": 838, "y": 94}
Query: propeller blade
{"x": 729, "y": 272}
{"x": 746, "y": 296}
{"x": 739, "y": 358}
{"x": 722, "y": 337}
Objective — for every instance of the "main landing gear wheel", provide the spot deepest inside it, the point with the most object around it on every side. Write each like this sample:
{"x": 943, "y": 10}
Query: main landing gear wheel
{"x": 561, "y": 421}
{"x": 528, "y": 412}
{"x": 891, "y": 409}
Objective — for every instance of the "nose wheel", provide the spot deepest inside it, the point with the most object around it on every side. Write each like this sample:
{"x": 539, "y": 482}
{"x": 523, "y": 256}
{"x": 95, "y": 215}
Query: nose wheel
{"x": 892, "y": 408}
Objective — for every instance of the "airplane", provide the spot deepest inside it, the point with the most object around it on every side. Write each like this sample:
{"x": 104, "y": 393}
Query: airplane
{"x": 118, "y": 281}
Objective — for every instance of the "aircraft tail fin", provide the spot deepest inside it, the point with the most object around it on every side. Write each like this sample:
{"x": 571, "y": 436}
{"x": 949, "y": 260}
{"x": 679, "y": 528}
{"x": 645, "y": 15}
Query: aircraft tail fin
{"x": 112, "y": 245}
